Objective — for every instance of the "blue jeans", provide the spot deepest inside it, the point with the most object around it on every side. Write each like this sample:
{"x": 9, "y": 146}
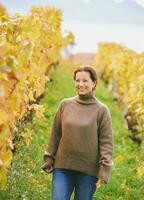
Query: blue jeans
{"x": 65, "y": 181}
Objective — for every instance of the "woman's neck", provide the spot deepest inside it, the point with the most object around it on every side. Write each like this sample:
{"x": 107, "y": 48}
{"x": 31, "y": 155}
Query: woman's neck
{"x": 86, "y": 98}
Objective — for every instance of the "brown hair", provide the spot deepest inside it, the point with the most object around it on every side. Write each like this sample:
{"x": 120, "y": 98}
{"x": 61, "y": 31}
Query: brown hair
{"x": 90, "y": 70}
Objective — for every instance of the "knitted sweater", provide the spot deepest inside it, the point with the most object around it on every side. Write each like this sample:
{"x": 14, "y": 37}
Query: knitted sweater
{"x": 81, "y": 137}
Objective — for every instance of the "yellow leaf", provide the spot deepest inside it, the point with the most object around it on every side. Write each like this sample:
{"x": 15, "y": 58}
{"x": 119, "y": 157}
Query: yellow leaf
{"x": 1, "y": 163}
{"x": 124, "y": 186}
{"x": 26, "y": 137}
{"x": 6, "y": 157}
{"x": 107, "y": 197}
{"x": 39, "y": 109}
{"x": 99, "y": 184}
{"x": 31, "y": 95}
{"x": 3, "y": 180}
{"x": 3, "y": 117}
{"x": 140, "y": 171}
{"x": 120, "y": 158}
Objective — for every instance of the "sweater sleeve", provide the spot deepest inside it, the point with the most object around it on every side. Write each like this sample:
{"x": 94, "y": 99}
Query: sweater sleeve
{"x": 49, "y": 154}
{"x": 105, "y": 142}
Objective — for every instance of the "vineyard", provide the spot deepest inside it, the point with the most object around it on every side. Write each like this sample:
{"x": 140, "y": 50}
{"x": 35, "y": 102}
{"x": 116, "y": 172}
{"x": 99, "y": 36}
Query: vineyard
{"x": 34, "y": 79}
{"x": 29, "y": 51}
{"x": 123, "y": 70}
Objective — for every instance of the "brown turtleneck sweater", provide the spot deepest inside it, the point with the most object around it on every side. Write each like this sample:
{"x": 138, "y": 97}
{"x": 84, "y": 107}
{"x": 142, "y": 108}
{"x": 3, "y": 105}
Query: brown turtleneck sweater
{"x": 81, "y": 137}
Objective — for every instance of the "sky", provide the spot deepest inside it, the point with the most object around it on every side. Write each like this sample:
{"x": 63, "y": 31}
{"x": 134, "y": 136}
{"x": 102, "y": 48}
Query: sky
{"x": 93, "y": 21}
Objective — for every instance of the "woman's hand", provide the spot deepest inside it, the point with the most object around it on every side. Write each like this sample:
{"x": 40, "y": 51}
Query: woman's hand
{"x": 47, "y": 168}
{"x": 100, "y": 183}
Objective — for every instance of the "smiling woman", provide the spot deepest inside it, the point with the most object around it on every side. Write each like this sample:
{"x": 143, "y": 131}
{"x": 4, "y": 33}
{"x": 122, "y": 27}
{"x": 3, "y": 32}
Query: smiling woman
{"x": 80, "y": 148}
{"x": 85, "y": 81}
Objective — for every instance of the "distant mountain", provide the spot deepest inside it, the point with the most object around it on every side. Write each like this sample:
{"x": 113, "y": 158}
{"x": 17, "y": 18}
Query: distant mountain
{"x": 127, "y": 11}
{"x": 104, "y": 11}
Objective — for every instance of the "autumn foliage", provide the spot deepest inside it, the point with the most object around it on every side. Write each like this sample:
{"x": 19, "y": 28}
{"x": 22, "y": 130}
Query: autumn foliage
{"x": 29, "y": 48}
{"x": 3, "y": 10}
{"x": 123, "y": 70}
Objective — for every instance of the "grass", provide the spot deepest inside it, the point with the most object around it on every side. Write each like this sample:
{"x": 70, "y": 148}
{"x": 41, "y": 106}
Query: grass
{"x": 26, "y": 180}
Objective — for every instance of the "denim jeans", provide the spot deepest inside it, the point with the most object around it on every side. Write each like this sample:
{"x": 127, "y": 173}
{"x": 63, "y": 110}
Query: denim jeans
{"x": 65, "y": 181}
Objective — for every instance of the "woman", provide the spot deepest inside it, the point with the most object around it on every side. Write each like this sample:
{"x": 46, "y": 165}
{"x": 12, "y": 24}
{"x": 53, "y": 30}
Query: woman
{"x": 80, "y": 148}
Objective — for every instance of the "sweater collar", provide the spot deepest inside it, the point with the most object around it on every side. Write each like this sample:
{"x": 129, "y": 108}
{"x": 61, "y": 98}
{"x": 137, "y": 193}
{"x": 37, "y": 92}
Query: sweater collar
{"x": 86, "y": 99}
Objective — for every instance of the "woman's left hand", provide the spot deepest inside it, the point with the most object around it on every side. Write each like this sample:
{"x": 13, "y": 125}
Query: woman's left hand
{"x": 100, "y": 183}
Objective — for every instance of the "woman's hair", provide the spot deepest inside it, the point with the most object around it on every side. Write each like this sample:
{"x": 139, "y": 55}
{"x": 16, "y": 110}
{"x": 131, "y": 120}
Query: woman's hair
{"x": 89, "y": 69}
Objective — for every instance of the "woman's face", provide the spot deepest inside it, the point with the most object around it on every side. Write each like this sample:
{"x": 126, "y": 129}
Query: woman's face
{"x": 83, "y": 83}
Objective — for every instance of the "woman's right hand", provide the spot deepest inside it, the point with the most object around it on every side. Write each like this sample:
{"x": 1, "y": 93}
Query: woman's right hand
{"x": 47, "y": 168}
